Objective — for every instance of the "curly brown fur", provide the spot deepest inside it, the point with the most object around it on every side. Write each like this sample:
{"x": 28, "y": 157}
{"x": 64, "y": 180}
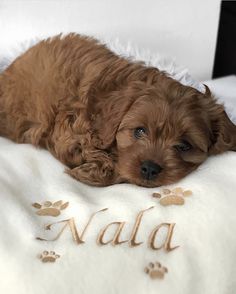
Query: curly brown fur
{"x": 105, "y": 117}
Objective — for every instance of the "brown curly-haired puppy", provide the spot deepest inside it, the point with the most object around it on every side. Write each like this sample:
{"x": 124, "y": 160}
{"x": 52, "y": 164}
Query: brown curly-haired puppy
{"x": 108, "y": 119}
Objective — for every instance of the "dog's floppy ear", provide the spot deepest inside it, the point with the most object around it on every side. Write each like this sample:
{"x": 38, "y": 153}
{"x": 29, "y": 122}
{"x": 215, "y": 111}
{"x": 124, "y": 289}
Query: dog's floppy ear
{"x": 224, "y": 134}
{"x": 223, "y": 130}
{"x": 108, "y": 114}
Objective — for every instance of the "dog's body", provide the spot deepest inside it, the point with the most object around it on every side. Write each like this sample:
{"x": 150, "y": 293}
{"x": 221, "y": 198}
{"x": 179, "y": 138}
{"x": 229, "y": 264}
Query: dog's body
{"x": 108, "y": 119}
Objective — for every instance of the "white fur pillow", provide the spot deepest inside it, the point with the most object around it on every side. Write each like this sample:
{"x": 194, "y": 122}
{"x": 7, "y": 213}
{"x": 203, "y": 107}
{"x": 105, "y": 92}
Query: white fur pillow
{"x": 133, "y": 52}
{"x": 128, "y": 50}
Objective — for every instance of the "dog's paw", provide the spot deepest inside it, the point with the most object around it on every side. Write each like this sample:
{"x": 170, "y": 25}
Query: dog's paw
{"x": 98, "y": 142}
{"x": 93, "y": 173}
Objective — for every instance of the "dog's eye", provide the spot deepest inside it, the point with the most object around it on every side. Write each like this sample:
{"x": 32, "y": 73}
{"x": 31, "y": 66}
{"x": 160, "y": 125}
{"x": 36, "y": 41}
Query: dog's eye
{"x": 183, "y": 146}
{"x": 139, "y": 132}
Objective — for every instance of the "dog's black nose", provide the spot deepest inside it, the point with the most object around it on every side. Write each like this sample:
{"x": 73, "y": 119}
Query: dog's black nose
{"x": 150, "y": 170}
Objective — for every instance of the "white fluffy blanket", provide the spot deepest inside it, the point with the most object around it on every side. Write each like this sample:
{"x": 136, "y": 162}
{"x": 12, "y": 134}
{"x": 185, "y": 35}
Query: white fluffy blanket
{"x": 86, "y": 257}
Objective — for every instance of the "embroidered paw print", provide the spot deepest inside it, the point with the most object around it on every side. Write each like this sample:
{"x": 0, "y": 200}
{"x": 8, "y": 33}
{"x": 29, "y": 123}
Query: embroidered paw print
{"x": 156, "y": 270}
{"x": 172, "y": 197}
{"x": 47, "y": 256}
{"x": 50, "y": 209}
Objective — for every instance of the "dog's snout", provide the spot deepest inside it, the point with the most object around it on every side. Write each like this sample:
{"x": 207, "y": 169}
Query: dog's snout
{"x": 150, "y": 170}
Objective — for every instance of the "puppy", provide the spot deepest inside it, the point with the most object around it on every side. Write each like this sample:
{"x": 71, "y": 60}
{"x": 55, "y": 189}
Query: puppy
{"x": 108, "y": 119}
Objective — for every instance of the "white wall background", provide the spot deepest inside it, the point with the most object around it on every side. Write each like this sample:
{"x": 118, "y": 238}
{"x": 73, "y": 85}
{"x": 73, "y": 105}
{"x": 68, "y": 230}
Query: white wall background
{"x": 185, "y": 29}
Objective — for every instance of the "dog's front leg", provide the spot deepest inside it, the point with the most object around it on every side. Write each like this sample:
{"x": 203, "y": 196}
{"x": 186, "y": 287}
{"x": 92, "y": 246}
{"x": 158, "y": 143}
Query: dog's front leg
{"x": 98, "y": 170}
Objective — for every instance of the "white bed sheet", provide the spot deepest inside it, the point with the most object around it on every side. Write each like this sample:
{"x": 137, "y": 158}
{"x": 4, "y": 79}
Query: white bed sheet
{"x": 225, "y": 90}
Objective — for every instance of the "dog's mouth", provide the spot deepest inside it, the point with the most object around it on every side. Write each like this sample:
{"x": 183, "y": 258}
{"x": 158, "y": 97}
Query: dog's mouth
{"x": 144, "y": 174}
{"x": 152, "y": 173}
{"x": 142, "y": 183}
{"x": 149, "y": 184}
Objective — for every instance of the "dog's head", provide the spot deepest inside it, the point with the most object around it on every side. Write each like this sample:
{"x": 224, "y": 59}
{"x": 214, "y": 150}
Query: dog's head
{"x": 162, "y": 133}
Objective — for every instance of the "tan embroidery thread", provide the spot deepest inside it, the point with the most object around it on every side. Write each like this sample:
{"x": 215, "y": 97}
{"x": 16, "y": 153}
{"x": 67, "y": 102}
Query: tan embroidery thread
{"x": 172, "y": 200}
{"x": 172, "y": 197}
{"x": 79, "y": 237}
{"x": 115, "y": 240}
{"x": 167, "y": 243}
{"x": 156, "y": 270}
{"x": 71, "y": 223}
{"x": 50, "y": 209}
{"x": 156, "y": 195}
{"x": 132, "y": 241}
{"x": 47, "y": 256}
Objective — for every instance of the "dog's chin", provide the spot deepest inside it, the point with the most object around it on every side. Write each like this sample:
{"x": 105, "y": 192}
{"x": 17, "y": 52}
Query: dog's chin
{"x": 129, "y": 173}
{"x": 142, "y": 183}
{"x": 148, "y": 184}
{"x": 162, "y": 180}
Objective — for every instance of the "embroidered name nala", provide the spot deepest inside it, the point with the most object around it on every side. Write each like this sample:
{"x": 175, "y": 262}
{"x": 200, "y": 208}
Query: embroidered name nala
{"x": 116, "y": 239}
